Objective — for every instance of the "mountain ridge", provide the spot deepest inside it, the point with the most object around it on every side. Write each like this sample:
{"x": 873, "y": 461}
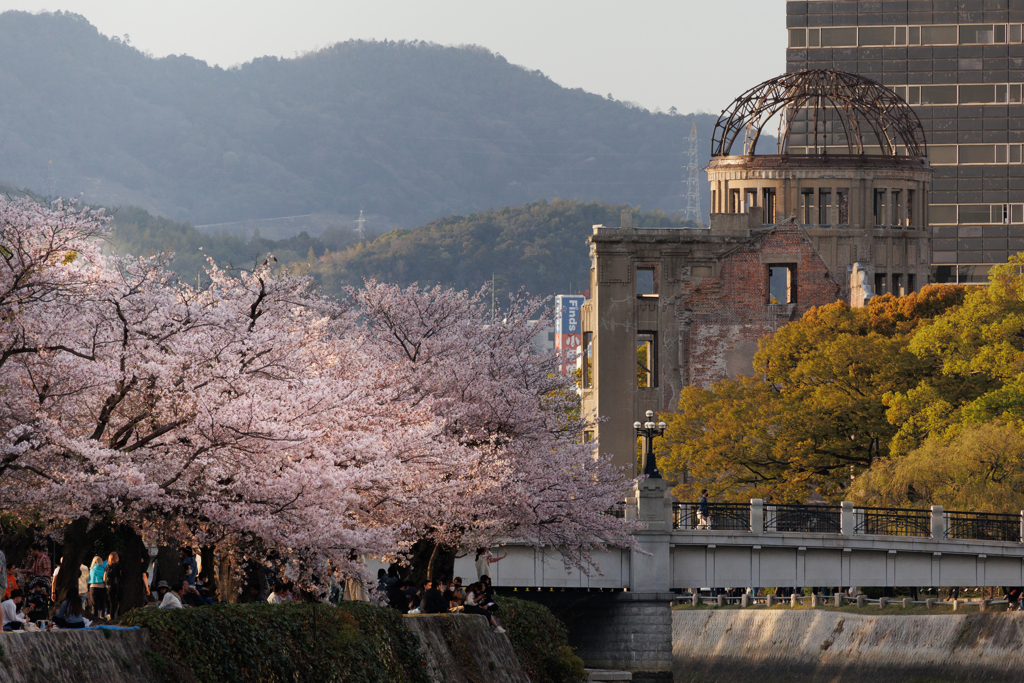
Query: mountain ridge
{"x": 410, "y": 131}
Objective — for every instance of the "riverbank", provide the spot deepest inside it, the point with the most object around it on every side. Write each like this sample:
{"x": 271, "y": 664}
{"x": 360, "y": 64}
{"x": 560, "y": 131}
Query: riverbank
{"x": 838, "y": 646}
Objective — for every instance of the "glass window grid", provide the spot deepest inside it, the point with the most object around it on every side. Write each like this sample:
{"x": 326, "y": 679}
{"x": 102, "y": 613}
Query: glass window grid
{"x": 970, "y": 270}
{"x": 947, "y": 95}
{"x": 902, "y": 35}
{"x": 966, "y": 154}
{"x": 976, "y": 214}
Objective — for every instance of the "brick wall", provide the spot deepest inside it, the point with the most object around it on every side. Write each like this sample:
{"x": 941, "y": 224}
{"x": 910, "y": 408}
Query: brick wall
{"x": 722, "y": 318}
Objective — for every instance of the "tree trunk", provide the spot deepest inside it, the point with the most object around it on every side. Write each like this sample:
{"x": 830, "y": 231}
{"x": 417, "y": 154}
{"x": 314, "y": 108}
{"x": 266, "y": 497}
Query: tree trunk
{"x": 431, "y": 562}
{"x": 208, "y": 573}
{"x": 78, "y": 543}
{"x": 134, "y": 561}
{"x": 169, "y": 566}
{"x": 229, "y": 587}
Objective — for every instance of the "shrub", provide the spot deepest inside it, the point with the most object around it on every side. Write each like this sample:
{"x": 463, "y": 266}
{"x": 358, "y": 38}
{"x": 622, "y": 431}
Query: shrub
{"x": 299, "y": 643}
{"x": 540, "y": 642}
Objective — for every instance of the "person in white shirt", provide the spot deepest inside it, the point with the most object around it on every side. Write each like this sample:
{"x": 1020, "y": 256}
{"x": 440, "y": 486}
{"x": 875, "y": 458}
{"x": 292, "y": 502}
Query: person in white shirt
{"x": 12, "y": 621}
{"x": 169, "y": 599}
{"x": 280, "y": 594}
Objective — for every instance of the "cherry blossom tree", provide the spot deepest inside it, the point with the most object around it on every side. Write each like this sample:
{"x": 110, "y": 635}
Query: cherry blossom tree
{"x": 531, "y": 476}
{"x": 258, "y": 416}
{"x": 242, "y": 411}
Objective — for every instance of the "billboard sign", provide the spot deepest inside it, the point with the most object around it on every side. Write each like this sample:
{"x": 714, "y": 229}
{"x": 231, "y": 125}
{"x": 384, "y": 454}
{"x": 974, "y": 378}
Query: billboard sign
{"x": 568, "y": 323}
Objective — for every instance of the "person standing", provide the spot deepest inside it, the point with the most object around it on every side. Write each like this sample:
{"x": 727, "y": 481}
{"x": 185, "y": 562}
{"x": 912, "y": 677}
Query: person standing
{"x": 112, "y": 580}
{"x": 703, "y": 511}
{"x": 40, "y": 566}
{"x": 97, "y": 589}
{"x": 484, "y": 559}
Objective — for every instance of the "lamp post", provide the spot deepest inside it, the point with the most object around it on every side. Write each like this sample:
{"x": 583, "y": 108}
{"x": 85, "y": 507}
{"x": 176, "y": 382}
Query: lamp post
{"x": 648, "y": 430}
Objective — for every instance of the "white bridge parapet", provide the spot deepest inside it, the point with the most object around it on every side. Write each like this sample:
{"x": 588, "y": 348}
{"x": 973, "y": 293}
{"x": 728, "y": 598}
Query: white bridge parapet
{"x": 764, "y": 545}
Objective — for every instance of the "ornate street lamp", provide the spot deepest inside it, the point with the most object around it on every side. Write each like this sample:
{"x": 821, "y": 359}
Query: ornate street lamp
{"x": 648, "y": 431}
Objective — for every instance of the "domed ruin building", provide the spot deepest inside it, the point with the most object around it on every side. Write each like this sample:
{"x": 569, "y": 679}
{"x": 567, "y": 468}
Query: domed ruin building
{"x": 842, "y": 199}
{"x": 848, "y": 163}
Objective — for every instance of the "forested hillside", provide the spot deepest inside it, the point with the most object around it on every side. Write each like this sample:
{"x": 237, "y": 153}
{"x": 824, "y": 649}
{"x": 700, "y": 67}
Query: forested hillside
{"x": 408, "y": 131}
{"x": 540, "y": 246}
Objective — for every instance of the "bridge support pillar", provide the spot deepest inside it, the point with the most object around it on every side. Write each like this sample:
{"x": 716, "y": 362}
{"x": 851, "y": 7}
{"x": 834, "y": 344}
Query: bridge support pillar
{"x": 938, "y": 523}
{"x": 651, "y": 573}
{"x": 846, "y": 519}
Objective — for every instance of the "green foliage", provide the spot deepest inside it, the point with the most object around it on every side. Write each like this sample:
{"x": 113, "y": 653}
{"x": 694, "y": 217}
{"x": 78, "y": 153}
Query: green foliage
{"x": 137, "y": 232}
{"x": 354, "y": 642}
{"x": 407, "y": 130}
{"x": 540, "y": 247}
{"x": 819, "y": 407}
{"x": 540, "y": 642}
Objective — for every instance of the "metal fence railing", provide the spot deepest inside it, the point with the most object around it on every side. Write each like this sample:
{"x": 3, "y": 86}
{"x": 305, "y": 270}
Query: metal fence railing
{"x": 617, "y": 510}
{"x": 828, "y": 519}
{"x": 892, "y": 522}
{"x": 987, "y": 526}
{"x": 721, "y": 516}
{"x": 821, "y": 519}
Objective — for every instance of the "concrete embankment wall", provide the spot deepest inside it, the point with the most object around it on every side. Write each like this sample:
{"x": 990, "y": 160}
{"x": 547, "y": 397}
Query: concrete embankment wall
{"x": 462, "y": 648}
{"x": 772, "y": 646}
{"x": 75, "y": 657}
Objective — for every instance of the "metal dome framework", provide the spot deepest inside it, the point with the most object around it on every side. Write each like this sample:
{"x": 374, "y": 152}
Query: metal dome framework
{"x": 837, "y": 109}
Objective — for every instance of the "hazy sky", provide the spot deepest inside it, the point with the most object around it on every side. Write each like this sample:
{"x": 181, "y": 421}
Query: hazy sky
{"x": 691, "y": 54}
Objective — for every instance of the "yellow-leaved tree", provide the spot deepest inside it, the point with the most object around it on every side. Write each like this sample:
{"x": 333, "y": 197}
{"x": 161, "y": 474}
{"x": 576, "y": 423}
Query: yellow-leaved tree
{"x": 815, "y": 411}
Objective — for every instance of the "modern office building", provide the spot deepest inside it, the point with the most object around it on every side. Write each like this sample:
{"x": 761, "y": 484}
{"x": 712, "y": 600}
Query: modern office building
{"x": 960, "y": 65}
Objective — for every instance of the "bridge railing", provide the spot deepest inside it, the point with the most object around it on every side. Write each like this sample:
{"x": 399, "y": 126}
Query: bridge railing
{"x": 849, "y": 520}
{"x": 892, "y": 522}
{"x": 820, "y": 519}
{"x": 721, "y": 516}
{"x": 986, "y": 526}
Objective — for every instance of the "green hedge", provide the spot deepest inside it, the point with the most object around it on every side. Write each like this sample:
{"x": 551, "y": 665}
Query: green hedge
{"x": 540, "y": 642}
{"x": 299, "y": 643}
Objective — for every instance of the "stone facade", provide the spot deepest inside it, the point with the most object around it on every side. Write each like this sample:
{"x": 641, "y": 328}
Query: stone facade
{"x": 709, "y": 303}
{"x": 872, "y": 210}
{"x": 622, "y": 630}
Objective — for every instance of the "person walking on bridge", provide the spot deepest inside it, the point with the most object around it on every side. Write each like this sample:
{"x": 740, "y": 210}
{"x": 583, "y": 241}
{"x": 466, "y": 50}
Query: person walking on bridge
{"x": 703, "y": 511}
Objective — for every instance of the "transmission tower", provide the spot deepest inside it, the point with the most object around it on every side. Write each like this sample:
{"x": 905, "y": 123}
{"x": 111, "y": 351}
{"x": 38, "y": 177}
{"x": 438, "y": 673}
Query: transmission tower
{"x": 693, "y": 212}
{"x": 361, "y": 225}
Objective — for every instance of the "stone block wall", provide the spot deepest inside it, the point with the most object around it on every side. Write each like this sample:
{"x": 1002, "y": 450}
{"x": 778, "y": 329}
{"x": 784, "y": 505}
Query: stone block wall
{"x": 622, "y": 631}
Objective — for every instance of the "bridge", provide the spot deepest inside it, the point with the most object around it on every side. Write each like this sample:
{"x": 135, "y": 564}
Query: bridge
{"x": 759, "y": 544}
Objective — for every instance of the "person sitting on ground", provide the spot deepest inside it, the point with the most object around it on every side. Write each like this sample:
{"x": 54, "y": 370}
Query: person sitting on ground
{"x": 83, "y": 582}
{"x": 70, "y": 614}
{"x": 168, "y": 599}
{"x": 280, "y": 594}
{"x": 433, "y": 601}
{"x": 458, "y": 591}
{"x": 472, "y": 606}
{"x": 37, "y": 604}
{"x": 12, "y": 582}
{"x": 12, "y": 620}
{"x": 191, "y": 596}
{"x": 190, "y": 565}
{"x": 397, "y": 597}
